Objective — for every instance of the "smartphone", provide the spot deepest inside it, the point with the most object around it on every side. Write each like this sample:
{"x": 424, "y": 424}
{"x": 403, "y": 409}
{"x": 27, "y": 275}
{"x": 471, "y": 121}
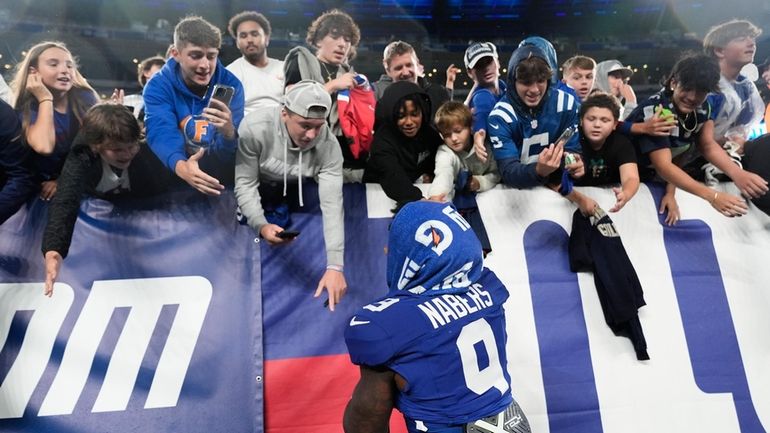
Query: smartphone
{"x": 222, "y": 93}
{"x": 288, "y": 234}
{"x": 565, "y": 136}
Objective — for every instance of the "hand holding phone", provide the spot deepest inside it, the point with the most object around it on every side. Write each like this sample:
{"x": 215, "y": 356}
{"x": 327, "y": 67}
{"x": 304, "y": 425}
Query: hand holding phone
{"x": 287, "y": 234}
{"x": 222, "y": 93}
{"x": 664, "y": 113}
{"x": 565, "y": 136}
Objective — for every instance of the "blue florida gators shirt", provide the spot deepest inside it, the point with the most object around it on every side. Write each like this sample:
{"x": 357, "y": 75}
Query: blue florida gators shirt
{"x": 519, "y": 133}
{"x": 169, "y": 103}
{"x": 441, "y": 326}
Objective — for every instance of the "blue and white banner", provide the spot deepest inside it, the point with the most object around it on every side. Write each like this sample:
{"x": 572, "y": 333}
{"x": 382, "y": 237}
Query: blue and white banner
{"x": 154, "y": 324}
{"x": 705, "y": 281}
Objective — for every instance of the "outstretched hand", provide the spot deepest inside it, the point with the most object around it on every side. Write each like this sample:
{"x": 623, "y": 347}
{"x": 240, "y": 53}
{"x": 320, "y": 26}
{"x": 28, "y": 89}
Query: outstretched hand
{"x": 191, "y": 173}
{"x": 334, "y": 283}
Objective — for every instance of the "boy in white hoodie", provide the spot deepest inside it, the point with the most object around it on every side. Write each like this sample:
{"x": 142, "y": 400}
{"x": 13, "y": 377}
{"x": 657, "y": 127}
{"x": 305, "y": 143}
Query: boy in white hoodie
{"x": 279, "y": 145}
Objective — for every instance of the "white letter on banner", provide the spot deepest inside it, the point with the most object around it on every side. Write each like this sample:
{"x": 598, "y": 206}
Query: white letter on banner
{"x": 32, "y": 358}
{"x": 146, "y": 297}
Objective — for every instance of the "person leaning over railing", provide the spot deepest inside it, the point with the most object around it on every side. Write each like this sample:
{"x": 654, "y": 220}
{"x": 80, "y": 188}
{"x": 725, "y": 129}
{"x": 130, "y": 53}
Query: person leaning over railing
{"x": 108, "y": 160}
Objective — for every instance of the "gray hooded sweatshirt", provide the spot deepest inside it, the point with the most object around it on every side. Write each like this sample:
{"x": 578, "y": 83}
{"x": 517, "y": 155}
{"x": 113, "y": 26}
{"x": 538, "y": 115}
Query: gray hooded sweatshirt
{"x": 266, "y": 153}
{"x": 603, "y": 83}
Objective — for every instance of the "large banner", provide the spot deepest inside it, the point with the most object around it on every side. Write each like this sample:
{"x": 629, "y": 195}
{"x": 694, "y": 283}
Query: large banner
{"x": 154, "y": 324}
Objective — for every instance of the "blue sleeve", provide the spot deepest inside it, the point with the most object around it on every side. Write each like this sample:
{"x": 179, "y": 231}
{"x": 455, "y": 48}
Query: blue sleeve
{"x": 368, "y": 343}
{"x": 502, "y": 133}
{"x": 20, "y": 182}
{"x": 482, "y": 103}
{"x": 717, "y": 101}
{"x": 518, "y": 175}
{"x": 163, "y": 135}
{"x": 624, "y": 127}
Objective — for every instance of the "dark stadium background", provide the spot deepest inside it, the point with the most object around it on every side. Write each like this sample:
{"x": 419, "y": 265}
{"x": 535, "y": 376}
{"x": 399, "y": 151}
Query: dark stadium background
{"x": 109, "y": 36}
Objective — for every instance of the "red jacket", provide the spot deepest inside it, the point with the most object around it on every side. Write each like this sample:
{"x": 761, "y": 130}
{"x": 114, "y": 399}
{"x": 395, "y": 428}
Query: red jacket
{"x": 356, "y": 110}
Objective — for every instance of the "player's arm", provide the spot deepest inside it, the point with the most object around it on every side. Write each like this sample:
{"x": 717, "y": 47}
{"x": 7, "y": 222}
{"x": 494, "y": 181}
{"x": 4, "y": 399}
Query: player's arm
{"x": 369, "y": 409}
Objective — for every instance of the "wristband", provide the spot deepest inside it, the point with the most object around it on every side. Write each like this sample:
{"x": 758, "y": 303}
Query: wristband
{"x": 43, "y": 100}
{"x": 716, "y": 194}
{"x": 337, "y": 268}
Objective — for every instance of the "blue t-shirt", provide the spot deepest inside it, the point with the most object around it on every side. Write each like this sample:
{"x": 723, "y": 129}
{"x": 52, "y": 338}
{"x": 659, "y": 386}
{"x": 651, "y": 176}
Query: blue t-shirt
{"x": 481, "y": 104}
{"x": 450, "y": 349}
{"x": 66, "y": 127}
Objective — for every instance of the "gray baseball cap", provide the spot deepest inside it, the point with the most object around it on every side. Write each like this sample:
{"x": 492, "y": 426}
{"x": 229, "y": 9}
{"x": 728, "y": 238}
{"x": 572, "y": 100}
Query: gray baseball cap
{"x": 302, "y": 97}
{"x": 478, "y": 51}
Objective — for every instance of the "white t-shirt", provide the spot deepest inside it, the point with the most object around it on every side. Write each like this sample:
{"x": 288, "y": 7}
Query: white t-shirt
{"x": 263, "y": 87}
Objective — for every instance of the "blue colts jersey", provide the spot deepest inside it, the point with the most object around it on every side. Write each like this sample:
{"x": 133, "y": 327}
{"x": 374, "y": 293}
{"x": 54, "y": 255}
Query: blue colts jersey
{"x": 449, "y": 348}
{"x": 520, "y": 136}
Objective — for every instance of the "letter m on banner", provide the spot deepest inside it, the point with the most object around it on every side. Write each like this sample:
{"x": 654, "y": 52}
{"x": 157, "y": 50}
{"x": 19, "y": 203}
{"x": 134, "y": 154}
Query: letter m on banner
{"x": 145, "y": 298}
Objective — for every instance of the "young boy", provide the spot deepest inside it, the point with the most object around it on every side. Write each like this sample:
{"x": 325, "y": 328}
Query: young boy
{"x": 460, "y": 173}
{"x": 483, "y": 66}
{"x": 578, "y": 74}
{"x": 454, "y": 122}
{"x": 525, "y": 125}
{"x": 608, "y": 156}
{"x": 107, "y": 160}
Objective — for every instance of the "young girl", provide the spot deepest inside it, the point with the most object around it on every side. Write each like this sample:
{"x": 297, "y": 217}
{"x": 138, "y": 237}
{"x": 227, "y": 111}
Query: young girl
{"x": 51, "y": 100}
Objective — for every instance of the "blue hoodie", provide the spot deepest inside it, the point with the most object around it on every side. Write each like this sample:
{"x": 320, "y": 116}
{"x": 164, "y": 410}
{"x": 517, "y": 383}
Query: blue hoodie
{"x": 550, "y": 56}
{"x": 519, "y": 133}
{"x": 168, "y": 103}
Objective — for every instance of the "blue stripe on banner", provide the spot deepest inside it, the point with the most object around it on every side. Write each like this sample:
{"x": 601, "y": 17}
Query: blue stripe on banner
{"x": 565, "y": 359}
{"x": 708, "y": 324}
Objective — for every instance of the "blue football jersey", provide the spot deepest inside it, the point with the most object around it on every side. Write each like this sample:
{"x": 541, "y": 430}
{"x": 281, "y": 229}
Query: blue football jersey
{"x": 449, "y": 348}
{"x": 521, "y": 136}
{"x": 683, "y": 138}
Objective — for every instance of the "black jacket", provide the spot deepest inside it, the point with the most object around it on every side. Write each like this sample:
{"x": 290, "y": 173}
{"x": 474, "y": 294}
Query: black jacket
{"x": 595, "y": 245}
{"x": 396, "y": 161}
{"x": 17, "y": 181}
{"x": 80, "y": 176}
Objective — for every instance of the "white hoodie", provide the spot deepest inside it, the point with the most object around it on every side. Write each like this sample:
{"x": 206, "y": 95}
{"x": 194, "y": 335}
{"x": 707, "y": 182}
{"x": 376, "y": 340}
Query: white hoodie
{"x": 265, "y": 152}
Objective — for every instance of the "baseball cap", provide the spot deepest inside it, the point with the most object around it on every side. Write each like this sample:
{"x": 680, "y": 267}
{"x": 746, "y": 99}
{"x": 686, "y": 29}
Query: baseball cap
{"x": 477, "y": 51}
{"x": 306, "y": 94}
{"x": 625, "y": 71}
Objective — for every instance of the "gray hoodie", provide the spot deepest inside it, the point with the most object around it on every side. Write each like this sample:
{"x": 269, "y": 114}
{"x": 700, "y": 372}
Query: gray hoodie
{"x": 603, "y": 83}
{"x": 266, "y": 153}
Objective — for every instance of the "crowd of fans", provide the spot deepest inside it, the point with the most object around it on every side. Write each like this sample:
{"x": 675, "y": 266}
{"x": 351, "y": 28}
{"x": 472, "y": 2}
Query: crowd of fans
{"x": 263, "y": 126}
